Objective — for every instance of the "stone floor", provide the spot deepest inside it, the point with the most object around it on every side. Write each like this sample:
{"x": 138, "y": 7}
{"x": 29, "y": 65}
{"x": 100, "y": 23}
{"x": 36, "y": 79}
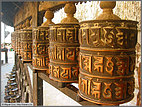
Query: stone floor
{"x": 5, "y": 69}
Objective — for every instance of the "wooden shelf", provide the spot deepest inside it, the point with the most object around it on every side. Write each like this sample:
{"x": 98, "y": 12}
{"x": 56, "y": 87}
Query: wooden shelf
{"x": 70, "y": 90}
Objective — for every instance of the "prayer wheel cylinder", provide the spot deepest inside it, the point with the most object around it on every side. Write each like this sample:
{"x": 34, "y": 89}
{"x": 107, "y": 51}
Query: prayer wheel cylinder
{"x": 41, "y": 43}
{"x": 40, "y": 48}
{"x": 12, "y": 40}
{"x": 107, "y": 60}
{"x": 63, "y": 52}
{"x": 26, "y": 49}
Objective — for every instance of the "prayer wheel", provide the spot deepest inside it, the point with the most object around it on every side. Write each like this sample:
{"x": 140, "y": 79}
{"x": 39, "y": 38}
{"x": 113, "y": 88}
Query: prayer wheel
{"x": 107, "y": 58}
{"x": 16, "y": 38}
{"x": 64, "y": 48}
{"x": 41, "y": 43}
{"x": 18, "y": 41}
{"x": 26, "y": 38}
{"x": 13, "y": 40}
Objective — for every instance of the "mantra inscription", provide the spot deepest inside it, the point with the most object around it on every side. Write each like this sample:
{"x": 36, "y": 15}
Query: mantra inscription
{"x": 63, "y": 52}
{"x": 116, "y": 34}
{"x": 118, "y": 64}
{"x": 40, "y": 48}
{"x": 107, "y": 61}
{"x": 103, "y": 91}
{"x": 26, "y": 48}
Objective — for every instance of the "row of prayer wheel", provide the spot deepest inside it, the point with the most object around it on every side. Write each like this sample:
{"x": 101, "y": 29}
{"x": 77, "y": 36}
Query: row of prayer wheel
{"x": 98, "y": 54}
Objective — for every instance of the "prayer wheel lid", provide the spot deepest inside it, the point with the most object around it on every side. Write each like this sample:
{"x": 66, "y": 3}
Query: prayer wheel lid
{"x": 95, "y": 21}
{"x": 49, "y": 15}
{"x": 70, "y": 10}
{"x": 107, "y": 14}
{"x": 28, "y": 24}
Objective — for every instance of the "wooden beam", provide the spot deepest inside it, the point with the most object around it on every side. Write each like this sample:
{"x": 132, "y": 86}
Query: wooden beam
{"x": 29, "y": 80}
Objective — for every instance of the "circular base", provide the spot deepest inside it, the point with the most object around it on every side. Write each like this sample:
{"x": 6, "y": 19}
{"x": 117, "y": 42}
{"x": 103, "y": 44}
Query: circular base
{"x": 103, "y": 102}
{"x": 78, "y": 98}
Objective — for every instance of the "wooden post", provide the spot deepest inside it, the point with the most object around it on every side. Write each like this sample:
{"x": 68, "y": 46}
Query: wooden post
{"x": 37, "y": 82}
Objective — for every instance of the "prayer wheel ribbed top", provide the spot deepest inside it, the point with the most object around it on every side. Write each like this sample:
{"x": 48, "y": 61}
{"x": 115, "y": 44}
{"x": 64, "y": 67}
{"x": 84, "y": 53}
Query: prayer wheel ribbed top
{"x": 107, "y": 58}
{"x": 64, "y": 48}
{"x": 41, "y": 44}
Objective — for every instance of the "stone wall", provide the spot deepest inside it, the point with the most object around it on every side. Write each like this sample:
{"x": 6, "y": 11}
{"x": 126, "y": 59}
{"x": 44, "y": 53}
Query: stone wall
{"x": 128, "y": 10}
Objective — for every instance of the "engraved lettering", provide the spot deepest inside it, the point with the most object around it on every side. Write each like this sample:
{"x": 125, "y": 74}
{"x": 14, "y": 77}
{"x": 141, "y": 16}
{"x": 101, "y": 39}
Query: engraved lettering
{"x": 75, "y": 71}
{"x": 109, "y": 65}
{"x": 70, "y": 54}
{"x": 70, "y": 35}
{"x": 123, "y": 65}
{"x": 109, "y": 35}
{"x": 87, "y": 63}
{"x": 120, "y": 90}
{"x": 96, "y": 90}
{"x": 56, "y": 72}
{"x": 98, "y": 64}
{"x": 107, "y": 91}
{"x": 66, "y": 73}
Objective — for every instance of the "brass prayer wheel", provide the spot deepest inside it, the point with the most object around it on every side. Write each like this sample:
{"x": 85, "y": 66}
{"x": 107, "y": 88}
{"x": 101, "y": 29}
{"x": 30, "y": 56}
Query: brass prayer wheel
{"x": 64, "y": 48}
{"x": 26, "y": 38}
{"x": 41, "y": 43}
{"x": 107, "y": 59}
{"x": 63, "y": 53}
{"x": 40, "y": 48}
{"x": 16, "y": 38}
{"x": 19, "y": 43}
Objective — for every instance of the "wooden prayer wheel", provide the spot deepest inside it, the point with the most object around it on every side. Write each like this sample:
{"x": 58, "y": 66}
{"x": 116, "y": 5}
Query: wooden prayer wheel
{"x": 40, "y": 48}
{"x": 19, "y": 41}
{"x": 107, "y": 58}
{"x": 16, "y": 38}
{"x": 41, "y": 43}
{"x": 26, "y": 39}
{"x": 64, "y": 48}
